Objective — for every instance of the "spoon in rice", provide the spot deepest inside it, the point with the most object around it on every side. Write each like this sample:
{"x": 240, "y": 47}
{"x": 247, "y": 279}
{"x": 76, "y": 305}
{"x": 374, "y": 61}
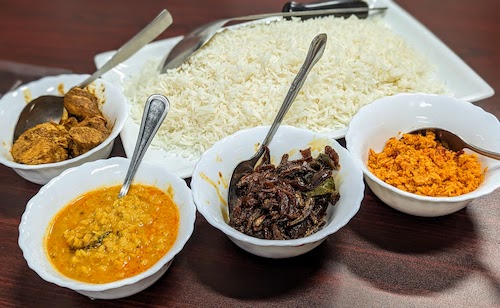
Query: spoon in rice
{"x": 454, "y": 142}
{"x": 315, "y": 52}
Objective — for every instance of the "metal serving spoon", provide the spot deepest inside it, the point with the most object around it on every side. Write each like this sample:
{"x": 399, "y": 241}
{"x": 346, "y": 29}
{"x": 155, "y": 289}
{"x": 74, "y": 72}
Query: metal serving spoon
{"x": 193, "y": 41}
{"x": 315, "y": 52}
{"x": 454, "y": 142}
{"x": 48, "y": 108}
{"x": 155, "y": 111}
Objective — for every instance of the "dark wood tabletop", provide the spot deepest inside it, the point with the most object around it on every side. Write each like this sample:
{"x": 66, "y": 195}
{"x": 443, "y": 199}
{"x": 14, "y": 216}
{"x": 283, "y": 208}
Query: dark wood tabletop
{"x": 382, "y": 258}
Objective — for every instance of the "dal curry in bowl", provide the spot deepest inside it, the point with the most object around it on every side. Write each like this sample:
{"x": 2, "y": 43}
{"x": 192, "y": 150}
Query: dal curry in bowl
{"x": 87, "y": 240}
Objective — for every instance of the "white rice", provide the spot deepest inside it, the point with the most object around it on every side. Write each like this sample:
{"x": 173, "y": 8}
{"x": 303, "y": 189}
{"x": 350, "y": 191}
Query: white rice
{"x": 240, "y": 78}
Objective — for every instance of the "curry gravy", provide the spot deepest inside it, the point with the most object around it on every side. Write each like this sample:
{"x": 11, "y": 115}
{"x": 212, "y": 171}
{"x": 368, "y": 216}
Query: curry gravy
{"x": 98, "y": 238}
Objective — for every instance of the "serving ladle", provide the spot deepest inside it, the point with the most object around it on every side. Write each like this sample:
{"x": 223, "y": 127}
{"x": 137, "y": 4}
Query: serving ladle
{"x": 454, "y": 142}
{"x": 155, "y": 111}
{"x": 315, "y": 52}
{"x": 49, "y": 108}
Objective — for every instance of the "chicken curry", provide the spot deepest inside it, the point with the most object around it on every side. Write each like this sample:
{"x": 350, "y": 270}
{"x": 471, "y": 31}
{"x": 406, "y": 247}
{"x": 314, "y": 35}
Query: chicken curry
{"x": 82, "y": 128}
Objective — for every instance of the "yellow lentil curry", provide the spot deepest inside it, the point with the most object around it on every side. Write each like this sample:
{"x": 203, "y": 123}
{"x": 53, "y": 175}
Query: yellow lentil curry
{"x": 422, "y": 165}
{"x": 98, "y": 238}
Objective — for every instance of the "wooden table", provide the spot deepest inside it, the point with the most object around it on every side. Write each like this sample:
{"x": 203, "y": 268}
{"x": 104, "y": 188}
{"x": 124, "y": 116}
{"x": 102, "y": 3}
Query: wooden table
{"x": 382, "y": 258}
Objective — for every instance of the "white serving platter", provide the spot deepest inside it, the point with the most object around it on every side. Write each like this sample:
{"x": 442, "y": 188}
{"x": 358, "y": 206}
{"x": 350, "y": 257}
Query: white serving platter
{"x": 464, "y": 83}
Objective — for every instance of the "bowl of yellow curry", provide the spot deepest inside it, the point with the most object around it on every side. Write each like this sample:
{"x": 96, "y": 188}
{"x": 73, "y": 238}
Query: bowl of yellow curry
{"x": 77, "y": 234}
{"x": 416, "y": 173}
{"x": 92, "y": 119}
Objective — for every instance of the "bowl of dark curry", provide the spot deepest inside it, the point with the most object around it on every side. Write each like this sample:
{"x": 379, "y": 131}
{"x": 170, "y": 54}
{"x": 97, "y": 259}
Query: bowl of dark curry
{"x": 92, "y": 119}
{"x": 77, "y": 234}
{"x": 305, "y": 188}
{"x": 417, "y": 173}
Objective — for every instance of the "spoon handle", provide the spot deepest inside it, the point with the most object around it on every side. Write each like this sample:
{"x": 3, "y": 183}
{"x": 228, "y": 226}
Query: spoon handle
{"x": 155, "y": 111}
{"x": 146, "y": 35}
{"x": 315, "y": 52}
{"x": 484, "y": 152}
{"x": 312, "y": 12}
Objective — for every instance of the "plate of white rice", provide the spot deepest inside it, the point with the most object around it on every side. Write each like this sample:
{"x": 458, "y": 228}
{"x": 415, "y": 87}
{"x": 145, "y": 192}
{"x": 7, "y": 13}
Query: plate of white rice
{"x": 240, "y": 78}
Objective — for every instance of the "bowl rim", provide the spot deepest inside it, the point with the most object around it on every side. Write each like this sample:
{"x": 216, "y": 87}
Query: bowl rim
{"x": 478, "y": 192}
{"x": 76, "y": 285}
{"x": 119, "y": 124}
{"x": 355, "y": 204}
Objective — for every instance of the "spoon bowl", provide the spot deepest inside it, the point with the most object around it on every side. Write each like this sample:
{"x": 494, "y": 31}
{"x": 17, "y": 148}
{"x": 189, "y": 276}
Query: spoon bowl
{"x": 49, "y": 108}
{"x": 454, "y": 142}
{"x": 46, "y": 108}
{"x": 315, "y": 52}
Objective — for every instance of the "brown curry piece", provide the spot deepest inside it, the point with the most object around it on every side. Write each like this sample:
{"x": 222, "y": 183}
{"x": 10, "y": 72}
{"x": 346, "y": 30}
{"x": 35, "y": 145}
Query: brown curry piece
{"x": 42, "y": 144}
{"x": 287, "y": 201}
{"x": 80, "y": 131}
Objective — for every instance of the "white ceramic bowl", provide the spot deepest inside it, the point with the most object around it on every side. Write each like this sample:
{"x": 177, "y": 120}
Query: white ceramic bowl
{"x": 115, "y": 108}
{"x": 392, "y": 116}
{"x": 209, "y": 185}
{"x": 74, "y": 182}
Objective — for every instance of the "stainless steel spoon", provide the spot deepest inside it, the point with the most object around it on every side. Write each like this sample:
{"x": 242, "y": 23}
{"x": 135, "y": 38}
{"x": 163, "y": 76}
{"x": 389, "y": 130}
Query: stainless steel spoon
{"x": 202, "y": 35}
{"x": 155, "y": 111}
{"x": 48, "y": 108}
{"x": 454, "y": 142}
{"x": 315, "y": 52}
